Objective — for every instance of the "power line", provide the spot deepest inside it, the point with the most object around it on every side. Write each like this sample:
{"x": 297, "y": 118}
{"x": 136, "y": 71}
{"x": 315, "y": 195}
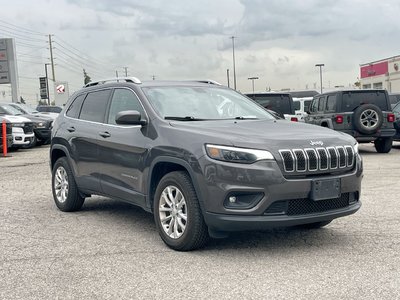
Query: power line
{"x": 22, "y": 28}
{"x": 20, "y": 36}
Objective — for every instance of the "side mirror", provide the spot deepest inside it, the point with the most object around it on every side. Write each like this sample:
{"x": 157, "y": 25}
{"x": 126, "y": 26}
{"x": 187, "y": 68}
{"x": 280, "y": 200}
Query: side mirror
{"x": 129, "y": 117}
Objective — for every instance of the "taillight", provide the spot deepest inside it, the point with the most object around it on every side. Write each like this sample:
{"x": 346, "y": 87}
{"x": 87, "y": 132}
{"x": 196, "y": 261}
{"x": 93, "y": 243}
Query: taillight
{"x": 294, "y": 119}
{"x": 339, "y": 119}
{"x": 390, "y": 118}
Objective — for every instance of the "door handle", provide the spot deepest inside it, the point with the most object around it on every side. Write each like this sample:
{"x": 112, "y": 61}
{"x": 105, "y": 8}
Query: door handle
{"x": 71, "y": 129}
{"x": 104, "y": 134}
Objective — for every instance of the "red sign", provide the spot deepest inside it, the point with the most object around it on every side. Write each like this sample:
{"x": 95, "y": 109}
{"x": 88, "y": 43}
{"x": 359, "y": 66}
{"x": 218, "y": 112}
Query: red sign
{"x": 374, "y": 69}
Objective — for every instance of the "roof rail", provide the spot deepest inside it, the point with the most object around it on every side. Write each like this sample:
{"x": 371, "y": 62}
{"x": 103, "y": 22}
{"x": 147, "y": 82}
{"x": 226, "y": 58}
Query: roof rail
{"x": 209, "y": 81}
{"x": 116, "y": 79}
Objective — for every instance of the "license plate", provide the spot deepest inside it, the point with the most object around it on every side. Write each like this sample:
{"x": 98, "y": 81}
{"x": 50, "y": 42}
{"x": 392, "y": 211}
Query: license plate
{"x": 325, "y": 189}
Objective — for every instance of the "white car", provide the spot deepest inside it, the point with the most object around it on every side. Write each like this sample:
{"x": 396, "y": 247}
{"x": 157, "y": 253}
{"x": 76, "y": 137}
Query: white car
{"x": 22, "y": 130}
{"x": 301, "y": 106}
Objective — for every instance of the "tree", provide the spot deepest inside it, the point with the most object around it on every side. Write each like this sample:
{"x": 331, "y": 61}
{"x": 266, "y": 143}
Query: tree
{"x": 86, "y": 77}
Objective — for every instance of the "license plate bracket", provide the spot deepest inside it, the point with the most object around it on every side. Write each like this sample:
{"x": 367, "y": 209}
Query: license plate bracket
{"x": 325, "y": 189}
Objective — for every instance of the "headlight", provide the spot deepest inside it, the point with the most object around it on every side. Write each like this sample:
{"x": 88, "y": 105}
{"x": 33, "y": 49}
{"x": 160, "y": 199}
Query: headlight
{"x": 237, "y": 155}
{"x": 18, "y": 124}
{"x": 39, "y": 125}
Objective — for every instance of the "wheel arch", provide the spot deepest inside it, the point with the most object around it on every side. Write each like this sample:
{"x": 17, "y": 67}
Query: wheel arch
{"x": 160, "y": 167}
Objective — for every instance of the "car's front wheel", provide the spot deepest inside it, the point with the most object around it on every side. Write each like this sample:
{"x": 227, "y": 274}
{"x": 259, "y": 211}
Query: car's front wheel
{"x": 65, "y": 191}
{"x": 177, "y": 213}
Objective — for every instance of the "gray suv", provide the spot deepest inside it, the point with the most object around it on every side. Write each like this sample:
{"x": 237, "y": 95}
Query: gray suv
{"x": 364, "y": 114}
{"x": 203, "y": 171}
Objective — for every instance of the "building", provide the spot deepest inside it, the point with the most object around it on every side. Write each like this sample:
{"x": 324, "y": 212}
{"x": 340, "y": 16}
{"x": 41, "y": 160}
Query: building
{"x": 381, "y": 74}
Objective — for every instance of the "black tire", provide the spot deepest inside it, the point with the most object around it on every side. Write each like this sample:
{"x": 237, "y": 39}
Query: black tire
{"x": 73, "y": 201}
{"x": 195, "y": 234}
{"x": 383, "y": 145}
{"x": 315, "y": 225}
{"x": 367, "y": 118}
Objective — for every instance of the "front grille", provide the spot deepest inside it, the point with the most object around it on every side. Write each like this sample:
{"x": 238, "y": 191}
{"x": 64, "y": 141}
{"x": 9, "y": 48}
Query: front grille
{"x": 306, "y": 206}
{"x": 318, "y": 159}
{"x": 8, "y": 128}
{"x": 28, "y": 128}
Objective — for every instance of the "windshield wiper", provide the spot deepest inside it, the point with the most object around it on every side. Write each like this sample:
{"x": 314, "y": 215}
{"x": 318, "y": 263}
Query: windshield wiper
{"x": 187, "y": 118}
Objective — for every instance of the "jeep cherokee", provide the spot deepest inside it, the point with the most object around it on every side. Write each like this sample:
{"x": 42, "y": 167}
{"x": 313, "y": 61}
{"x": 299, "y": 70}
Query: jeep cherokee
{"x": 202, "y": 171}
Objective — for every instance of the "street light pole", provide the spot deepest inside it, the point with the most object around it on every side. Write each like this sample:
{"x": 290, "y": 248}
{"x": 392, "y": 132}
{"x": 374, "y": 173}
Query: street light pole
{"x": 234, "y": 63}
{"x": 320, "y": 73}
{"x": 252, "y": 81}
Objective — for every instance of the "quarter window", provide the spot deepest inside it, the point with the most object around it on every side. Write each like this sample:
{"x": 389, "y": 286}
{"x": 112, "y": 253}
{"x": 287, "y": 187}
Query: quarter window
{"x": 123, "y": 99}
{"x": 75, "y": 107}
{"x": 94, "y": 106}
{"x": 331, "y": 103}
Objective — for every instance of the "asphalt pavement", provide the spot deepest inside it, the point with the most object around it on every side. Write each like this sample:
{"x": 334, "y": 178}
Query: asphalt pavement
{"x": 111, "y": 250}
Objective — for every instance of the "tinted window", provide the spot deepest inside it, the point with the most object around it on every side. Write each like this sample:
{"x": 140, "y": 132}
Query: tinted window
{"x": 281, "y": 103}
{"x": 321, "y": 104}
{"x": 314, "y": 105}
{"x": 307, "y": 104}
{"x": 396, "y": 109}
{"x": 351, "y": 100}
{"x": 296, "y": 105}
{"x": 75, "y": 107}
{"x": 331, "y": 103}
{"x": 123, "y": 99}
{"x": 94, "y": 106}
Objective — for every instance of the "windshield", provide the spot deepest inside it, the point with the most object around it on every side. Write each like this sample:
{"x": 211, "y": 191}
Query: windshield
{"x": 28, "y": 109}
{"x": 6, "y": 109}
{"x": 351, "y": 100}
{"x": 203, "y": 103}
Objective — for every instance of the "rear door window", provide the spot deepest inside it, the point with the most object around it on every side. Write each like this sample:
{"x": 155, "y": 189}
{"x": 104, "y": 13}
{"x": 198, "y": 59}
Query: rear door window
{"x": 331, "y": 103}
{"x": 95, "y": 105}
{"x": 352, "y": 100}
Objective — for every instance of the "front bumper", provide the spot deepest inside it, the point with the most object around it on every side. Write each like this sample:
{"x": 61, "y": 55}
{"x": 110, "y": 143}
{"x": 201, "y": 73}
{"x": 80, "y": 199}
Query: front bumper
{"x": 43, "y": 134}
{"x": 270, "y": 188}
{"x": 22, "y": 139}
{"x": 222, "y": 222}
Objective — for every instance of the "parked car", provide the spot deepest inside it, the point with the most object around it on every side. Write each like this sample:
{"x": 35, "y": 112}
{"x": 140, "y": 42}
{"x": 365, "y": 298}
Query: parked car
{"x": 168, "y": 148}
{"x": 364, "y": 114}
{"x": 9, "y": 138}
{"x": 49, "y": 108}
{"x": 27, "y": 110}
{"x": 41, "y": 126}
{"x": 282, "y": 103}
{"x": 22, "y": 128}
{"x": 396, "y": 111}
{"x": 301, "y": 107}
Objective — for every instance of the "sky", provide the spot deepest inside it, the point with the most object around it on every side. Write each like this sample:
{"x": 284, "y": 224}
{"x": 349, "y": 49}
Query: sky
{"x": 277, "y": 41}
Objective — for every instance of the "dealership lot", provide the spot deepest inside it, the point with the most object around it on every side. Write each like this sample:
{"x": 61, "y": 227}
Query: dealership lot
{"x": 110, "y": 249}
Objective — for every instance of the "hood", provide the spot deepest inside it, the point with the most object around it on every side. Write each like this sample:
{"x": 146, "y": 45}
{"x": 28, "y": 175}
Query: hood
{"x": 266, "y": 134}
{"x": 47, "y": 115}
{"x": 16, "y": 119}
{"x": 37, "y": 119}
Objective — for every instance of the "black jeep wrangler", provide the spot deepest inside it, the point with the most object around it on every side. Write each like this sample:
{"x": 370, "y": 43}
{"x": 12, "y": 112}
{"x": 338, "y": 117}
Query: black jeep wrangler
{"x": 364, "y": 114}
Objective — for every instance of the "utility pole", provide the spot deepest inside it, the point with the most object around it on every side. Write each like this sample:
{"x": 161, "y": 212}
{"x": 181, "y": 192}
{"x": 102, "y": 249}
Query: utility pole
{"x": 126, "y": 71}
{"x": 234, "y": 64}
{"x": 320, "y": 73}
{"x": 47, "y": 84}
{"x": 252, "y": 81}
{"x": 227, "y": 75}
{"x": 51, "y": 58}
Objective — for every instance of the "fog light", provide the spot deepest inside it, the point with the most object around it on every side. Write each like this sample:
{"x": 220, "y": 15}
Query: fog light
{"x": 242, "y": 200}
{"x": 232, "y": 199}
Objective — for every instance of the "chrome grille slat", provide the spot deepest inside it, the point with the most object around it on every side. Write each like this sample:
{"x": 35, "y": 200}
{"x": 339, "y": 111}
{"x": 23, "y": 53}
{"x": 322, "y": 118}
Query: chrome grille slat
{"x": 317, "y": 159}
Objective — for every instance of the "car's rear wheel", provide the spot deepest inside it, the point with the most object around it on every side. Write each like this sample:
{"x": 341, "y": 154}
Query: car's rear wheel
{"x": 383, "y": 145}
{"x": 65, "y": 191}
{"x": 177, "y": 213}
